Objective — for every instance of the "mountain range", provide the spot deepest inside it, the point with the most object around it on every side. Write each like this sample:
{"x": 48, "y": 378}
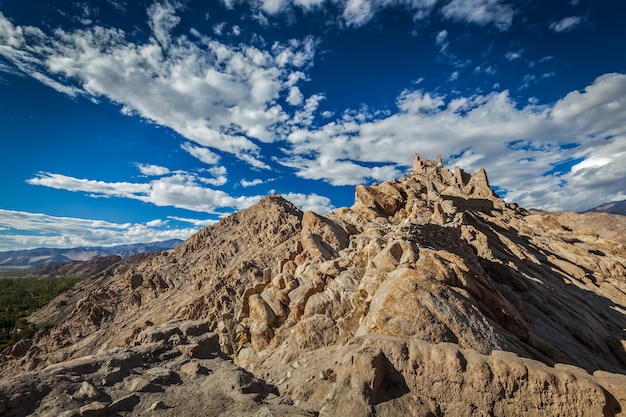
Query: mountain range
{"x": 37, "y": 258}
{"x": 614, "y": 207}
{"x": 429, "y": 296}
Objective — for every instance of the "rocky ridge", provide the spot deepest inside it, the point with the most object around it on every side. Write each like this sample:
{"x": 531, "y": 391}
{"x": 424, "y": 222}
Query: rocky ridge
{"x": 603, "y": 225}
{"x": 429, "y": 296}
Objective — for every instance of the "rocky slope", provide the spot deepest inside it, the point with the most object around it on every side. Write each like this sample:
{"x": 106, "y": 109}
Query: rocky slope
{"x": 429, "y": 296}
{"x": 603, "y": 225}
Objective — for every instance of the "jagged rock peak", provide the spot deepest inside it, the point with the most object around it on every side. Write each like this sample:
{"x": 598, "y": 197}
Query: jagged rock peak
{"x": 430, "y": 190}
{"x": 270, "y": 206}
{"x": 434, "y": 173}
{"x": 277, "y": 200}
{"x": 256, "y": 222}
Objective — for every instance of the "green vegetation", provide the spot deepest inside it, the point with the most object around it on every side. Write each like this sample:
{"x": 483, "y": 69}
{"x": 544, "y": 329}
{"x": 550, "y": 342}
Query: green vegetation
{"x": 20, "y": 295}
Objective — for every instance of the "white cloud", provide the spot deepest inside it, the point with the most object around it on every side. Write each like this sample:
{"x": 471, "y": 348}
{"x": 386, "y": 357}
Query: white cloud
{"x": 255, "y": 163}
{"x": 228, "y": 98}
{"x": 442, "y": 40}
{"x": 482, "y": 131}
{"x": 219, "y": 176}
{"x": 599, "y": 110}
{"x": 273, "y": 6}
{"x": 218, "y": 28}
{"x": 219, "y": 96}
{"x": 230, "y": 4}
{"x": 152, "y": 170}
{"x": 566, "y": 24}
{"x": 312, "y": 202}
{"x": 162, "y": 21}
{"x": 24, "y": 230}
{"x": 480, "y": 12}
{"x": 156, "y": 223}
{"x": 596, "y": 180}
{"x": 418, "y": 102}
{"x": 119, "y": 5}
{"x": 358, "y": 12}
{"x": 308, "y": 4}
{"x": 337, "y": 171}
{"x": 195, "y": 222}
{"x": 513, "y": 55}
{"x": 201, "y": 153}
{"x": 180, "y": 190}
{"x": 485, "y": 69}
{"x": 353, "y": 13}
{"x": 295, "y": 97}
{"x": 305, "y": 115}
{"x": 527, "y": 80}
{"x": 252, "y": 183}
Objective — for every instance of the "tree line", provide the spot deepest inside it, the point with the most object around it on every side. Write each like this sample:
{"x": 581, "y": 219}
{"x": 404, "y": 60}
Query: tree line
{"x": 19, "y": 297}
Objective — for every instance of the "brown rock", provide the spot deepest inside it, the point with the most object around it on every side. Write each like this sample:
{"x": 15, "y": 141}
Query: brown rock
{"x": 87, "y": 391}
{"x": 322, "y": 237}
{"x": 96, "y": 408}
{"x": 191, "y": 350}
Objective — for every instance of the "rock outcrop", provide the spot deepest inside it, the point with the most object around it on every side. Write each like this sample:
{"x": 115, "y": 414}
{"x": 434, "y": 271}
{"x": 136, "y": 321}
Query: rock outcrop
{"x": 429, "y": 296}
{"x": 176, "y": 367}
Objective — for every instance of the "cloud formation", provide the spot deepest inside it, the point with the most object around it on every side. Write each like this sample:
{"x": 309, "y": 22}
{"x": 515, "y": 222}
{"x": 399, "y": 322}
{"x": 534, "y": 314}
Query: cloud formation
{"x": 481, "y": 12}
{"x": 312, "y": 202}
{"x": 181, "y": 190}
{"x": 240, "y": 98}
{"x": 201, "y": 153}
{"x": 244, "y": 183}
{"x": 517, "y": 146}
{"x": 356, "y": 13}
{"x": 22, "y": 230}
{"x": 152, "y": 170}
{"x": 224, "y": 97}
{"x": 566, "y": 24}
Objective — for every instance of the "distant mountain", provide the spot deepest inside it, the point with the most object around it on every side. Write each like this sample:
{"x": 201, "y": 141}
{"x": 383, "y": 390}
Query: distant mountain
{"x": 614, "y": 207}
{"x": 79, "y": 268}
{"x": 37, "y": 258}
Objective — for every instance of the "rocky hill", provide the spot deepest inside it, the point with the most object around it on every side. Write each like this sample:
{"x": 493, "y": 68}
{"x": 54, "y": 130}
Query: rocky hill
{"x": 603, "y": 225}
{"x": 430, "y": 296}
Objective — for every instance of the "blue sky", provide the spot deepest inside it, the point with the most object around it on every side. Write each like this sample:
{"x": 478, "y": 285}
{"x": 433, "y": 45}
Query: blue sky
{"x": 133, "y": 121}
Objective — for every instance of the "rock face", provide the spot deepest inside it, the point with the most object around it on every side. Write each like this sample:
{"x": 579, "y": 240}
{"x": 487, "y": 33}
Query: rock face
{"x": 429, "y": 296}
{"x": 176, "y": 366}
{"x": 603, "y": 225}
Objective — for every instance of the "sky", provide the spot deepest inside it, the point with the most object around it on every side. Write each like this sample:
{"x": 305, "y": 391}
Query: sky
{"x": 136, "y": 121}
